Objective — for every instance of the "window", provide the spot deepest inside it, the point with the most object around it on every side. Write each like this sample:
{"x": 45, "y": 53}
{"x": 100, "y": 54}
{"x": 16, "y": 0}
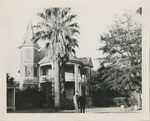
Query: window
{"x": 69, "y": 69}
{"x": 83, "y": 71}
{"x": 27, "y": 71}
{"x": 44, "y": 71}
{"x": 35, "y": 71}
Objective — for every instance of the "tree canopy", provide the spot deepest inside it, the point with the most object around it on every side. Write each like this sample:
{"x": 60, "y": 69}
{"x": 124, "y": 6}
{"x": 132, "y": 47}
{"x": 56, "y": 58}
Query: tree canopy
{"x": 60, "y": 28}
{"x": 121, "y": 66}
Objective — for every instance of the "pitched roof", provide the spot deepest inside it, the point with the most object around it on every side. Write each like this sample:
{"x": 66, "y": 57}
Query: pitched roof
{"x": 29, "y": 36}
{"x": 44, "y": 60}
{"x": 73, "y": 58}
{"x": 86, "y": 61}
{"x": 41, "y": 54}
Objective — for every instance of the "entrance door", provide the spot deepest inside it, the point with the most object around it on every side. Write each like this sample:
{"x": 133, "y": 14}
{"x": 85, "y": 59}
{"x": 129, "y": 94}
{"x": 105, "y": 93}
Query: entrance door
{"x": 69, "y": 90}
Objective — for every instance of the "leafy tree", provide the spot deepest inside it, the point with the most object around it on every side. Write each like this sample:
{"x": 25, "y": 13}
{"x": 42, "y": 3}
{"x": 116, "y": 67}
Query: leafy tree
{"x": 9, "y": 79}
{"x": 123, "y": 56}
{"x": 59, "y": 27}
{"x": 30, "y": 98}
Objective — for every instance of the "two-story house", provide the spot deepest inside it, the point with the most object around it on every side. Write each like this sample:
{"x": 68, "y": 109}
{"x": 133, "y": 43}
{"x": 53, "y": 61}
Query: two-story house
{"x": 38, "y": 71}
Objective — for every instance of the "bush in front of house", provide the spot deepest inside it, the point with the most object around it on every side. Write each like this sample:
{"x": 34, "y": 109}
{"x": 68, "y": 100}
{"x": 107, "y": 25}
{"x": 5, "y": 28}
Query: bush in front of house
{"x": 103, "y": 102}
{"x": 104, "y": 98}
{"x": 118, "y": 101}
{"x": 126, "y": 101}
{"x": 89, "y": 102}
{"x": 132, "y": 101}
{"x": 68, "y": 104}
{"x": 30, "y": 98}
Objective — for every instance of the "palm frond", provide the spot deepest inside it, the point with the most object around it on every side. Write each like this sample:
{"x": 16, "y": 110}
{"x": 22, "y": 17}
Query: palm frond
{"x": 69, "y": 18}
{"x": 74, "y": 25}
{"x": 57, "y": 28}
{"x": 42, "y": 15}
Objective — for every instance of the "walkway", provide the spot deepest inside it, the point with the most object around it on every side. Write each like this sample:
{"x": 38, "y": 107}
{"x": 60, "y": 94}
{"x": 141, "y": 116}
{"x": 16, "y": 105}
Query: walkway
{"x": 88, "y": 110}
{"x": 105, "y": 110}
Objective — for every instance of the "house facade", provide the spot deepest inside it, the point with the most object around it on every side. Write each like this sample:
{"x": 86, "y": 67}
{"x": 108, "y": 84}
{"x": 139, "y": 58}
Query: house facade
{"x": 38, "y": 71}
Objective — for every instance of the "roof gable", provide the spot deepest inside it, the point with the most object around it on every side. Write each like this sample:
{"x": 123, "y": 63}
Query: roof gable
{"x": 87, "y": 61}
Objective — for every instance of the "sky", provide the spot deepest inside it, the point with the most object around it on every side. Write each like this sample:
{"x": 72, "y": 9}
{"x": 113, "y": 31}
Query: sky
{"x": 94, "y": 18}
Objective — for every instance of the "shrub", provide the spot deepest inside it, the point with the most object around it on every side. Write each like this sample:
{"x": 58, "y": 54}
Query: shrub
{"x": 68, "y": 104}
{"x": 118, "y": 101}
{"x": 103, "y": 102}
{"x": 132, "y": 101}
{"x": 89, "y": 101}
{"x": 30, "y": 97}
{"x": 126, "y": 101}
{"x": 104, "y": 98}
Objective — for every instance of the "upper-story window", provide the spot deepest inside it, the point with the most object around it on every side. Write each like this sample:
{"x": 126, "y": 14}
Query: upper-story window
{"x": 28, "y": 71}
{"x": 83, "y": 71}
{"x": 46, "y": 70}
{"x": 69, "y": 69}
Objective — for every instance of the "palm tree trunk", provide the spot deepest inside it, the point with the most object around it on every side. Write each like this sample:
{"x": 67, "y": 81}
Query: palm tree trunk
{"x": 57, "y": 85}
{"x": 63, "y": 93}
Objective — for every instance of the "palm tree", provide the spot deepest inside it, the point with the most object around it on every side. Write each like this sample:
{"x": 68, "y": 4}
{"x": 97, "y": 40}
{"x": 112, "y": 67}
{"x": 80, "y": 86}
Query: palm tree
{"x": 59, "y": 28}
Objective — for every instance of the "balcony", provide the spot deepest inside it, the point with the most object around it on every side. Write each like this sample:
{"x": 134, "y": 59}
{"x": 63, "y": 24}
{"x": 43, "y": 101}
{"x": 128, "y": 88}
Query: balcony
{"x": 45, "y": 78}
{"x": 69, "y": 77}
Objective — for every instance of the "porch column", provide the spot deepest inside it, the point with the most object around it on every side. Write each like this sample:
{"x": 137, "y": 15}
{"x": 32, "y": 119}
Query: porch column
{"x": 76, "y": 77}
{"x": 39, "y": 76}
{"x": 80, "y": 79}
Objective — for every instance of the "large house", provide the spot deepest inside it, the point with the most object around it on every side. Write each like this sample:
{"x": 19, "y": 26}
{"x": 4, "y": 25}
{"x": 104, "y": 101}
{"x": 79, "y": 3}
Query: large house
{"x": 38, "y": 71}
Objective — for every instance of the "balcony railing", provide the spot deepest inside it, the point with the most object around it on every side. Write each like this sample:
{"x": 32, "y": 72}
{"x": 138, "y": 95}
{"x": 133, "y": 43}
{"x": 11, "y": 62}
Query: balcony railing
{"x": 69, "y": 77}
{"x": 45, "y": 78}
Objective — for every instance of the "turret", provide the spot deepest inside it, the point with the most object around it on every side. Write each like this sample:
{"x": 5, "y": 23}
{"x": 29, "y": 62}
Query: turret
{"x": 28, "y": 66}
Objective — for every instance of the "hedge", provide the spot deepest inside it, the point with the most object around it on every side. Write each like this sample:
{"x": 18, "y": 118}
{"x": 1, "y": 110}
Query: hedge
{"x": 30, "y": 98}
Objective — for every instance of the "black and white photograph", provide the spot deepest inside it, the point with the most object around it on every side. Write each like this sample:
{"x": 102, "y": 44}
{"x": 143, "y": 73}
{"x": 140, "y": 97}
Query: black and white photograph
{"x": 75, "y": 60}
